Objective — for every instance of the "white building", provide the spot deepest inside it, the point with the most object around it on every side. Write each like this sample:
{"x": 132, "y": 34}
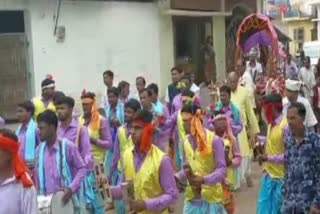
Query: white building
{"x": 316, "y": 5}
{"x": 130, "y": 38}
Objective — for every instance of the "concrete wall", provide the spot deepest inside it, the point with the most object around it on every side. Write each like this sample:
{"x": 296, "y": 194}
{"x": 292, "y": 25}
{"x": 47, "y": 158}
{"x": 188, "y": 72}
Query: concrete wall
{"x": 121, "y": 36}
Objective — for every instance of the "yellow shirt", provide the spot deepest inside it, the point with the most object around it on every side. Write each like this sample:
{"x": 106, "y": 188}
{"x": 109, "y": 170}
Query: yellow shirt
{"x": 275, "y": 146}
{"x": 203, "y": 165}
{"x": 39, "y": 106}
{"x": 241, "y": 98}
{"x": 147, "y": 180}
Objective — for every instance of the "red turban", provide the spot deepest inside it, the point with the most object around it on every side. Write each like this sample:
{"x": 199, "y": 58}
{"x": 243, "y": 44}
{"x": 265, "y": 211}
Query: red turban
{"x": 20, "y": 169}
{"x": 147, "y": 135}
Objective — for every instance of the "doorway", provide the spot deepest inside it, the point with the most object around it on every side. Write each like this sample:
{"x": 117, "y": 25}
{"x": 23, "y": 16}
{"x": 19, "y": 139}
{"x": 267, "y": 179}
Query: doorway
{"x": 190, "y": 35}
{"x": 14, "y": 81}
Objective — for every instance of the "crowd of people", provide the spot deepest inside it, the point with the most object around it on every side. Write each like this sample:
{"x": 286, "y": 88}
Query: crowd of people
{"x": 199, "y": 142}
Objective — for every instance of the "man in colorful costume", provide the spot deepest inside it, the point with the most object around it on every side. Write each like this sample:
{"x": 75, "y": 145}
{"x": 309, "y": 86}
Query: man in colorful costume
{"x": 100, "y": 140}
{"x": 205, "y": 165}
{"x": 240, "y": 97}
{"x": 270, "y": 196}
{"x": 17, "y": 193}
{"x": 177, "y": 131}
{"x": 115, "y": 118}
{"x": 184, "y": 84}
{"x": 59, "y": 164}
{"x": 28, "y": 133}
{"x": 46, "y": 101}
{"x": 150, "y": 170}
{"x": 222, "y": 127}
{"x": 123, "y": 141}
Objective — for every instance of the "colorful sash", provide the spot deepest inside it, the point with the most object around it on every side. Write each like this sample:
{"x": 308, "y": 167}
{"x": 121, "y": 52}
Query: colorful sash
{"x": 30, "y": 144}
{"x": 64, "y": 172}
{"x": 235, "y": 110}
{"x": 119, "y": 113}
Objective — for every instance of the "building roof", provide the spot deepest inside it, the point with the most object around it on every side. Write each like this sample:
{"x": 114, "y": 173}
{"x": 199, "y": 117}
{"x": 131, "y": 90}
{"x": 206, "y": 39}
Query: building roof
{"x": 281, "y": 36}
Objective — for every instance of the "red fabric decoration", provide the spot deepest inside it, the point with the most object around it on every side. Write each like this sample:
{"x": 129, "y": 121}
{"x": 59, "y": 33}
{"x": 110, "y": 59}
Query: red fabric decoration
{"x": 147, "y": 135}
{"x": 269, "y": 112}
{"x": 20, "y": 169}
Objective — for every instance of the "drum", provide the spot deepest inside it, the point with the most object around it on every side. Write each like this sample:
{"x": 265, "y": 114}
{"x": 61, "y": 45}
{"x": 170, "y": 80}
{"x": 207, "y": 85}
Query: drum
{"x": 52, "y": 204}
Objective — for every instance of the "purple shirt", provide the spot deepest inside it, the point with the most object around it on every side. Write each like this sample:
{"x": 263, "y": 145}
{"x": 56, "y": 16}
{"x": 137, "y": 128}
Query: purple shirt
{"x": 52, "y": 174}
{"x": 162, "y": 134}
{"x": 291, "y": 69}
{"x": 176, "y": 103}
{"x": 279, "y": 159}
{"x": 167, "y": 182}
{"x": 70, "y": 132}
{"x": 16, "y": 199}
{"x": 22, "y": 137}
{"x": 219, "y": 174}
{"x": 227, "y": 111}
{"x": 105, "y": 141}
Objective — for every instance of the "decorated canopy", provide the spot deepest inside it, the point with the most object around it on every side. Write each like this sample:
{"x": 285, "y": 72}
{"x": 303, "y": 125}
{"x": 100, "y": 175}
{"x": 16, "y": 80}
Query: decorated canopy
{"x": 257, "y": 30}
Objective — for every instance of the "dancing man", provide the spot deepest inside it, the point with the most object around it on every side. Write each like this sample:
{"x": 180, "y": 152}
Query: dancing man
{"x": 205, "y": 165}
{"x": 222, "y": 127}
{"x": 270, "y": 196}
{"x": 100, "y": 140}
{"x": 149, "y": 168}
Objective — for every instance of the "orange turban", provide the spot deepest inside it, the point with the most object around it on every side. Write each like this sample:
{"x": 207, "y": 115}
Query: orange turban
{"x": 95, "y": 116}
{"x": 20, "y": 169}
{"x": 198, "y": 131}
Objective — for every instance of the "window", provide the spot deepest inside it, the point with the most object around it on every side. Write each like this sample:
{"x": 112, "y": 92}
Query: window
{"x": 298, "y": 34}
{"x": 314, "y": 34}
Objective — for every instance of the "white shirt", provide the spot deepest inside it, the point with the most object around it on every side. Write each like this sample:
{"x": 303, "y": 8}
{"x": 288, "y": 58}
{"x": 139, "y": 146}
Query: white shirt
{"x": 16, "y": 199}
{"x": 308, "y": 78}
{"x": 195, "y": 89}
{"x": 247, "y": 81}
{"x": 311, "y": 119}
{"x": 254, "y": 71}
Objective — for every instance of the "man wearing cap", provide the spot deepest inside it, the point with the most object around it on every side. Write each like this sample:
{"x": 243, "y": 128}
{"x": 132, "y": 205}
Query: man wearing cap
{"x": 149, "y": 169}
{"x": 270, "y": 196}
{"x": 47, "y": 97}
{"x": 293, "y": 87}
{"x": 17, "y": 193}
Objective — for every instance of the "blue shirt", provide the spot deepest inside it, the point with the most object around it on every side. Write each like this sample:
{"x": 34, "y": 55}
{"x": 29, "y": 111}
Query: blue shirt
{"x": 301, "y": 189}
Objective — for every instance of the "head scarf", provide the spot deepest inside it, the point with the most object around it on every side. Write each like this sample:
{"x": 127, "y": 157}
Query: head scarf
{"x": 270, "y": 101}
{"x": 94, "y": 122}
{"x": 20, "y": 169}
{"x": 47, "y": 83}
{"x": 228, "y": 132}
{"x": 147, "y": 135}
{"x": 197, "y": 130}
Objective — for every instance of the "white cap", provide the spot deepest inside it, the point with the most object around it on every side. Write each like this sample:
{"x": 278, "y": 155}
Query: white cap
{"x": 293, "y": 85}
